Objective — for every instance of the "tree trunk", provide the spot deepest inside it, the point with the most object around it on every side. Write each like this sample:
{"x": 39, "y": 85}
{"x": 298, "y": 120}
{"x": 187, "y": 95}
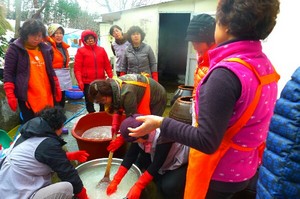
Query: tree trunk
{"x": 18, "y": 17}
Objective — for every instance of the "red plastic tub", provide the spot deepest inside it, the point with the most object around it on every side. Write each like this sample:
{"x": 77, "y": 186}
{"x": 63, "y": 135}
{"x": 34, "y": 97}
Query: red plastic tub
{"x": 95, "y": 147}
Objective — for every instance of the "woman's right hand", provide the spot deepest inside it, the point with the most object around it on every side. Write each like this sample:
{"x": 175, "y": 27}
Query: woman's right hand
{"x": 150, "y": 123}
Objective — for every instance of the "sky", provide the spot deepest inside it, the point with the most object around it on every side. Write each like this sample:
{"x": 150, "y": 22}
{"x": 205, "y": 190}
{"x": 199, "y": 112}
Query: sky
{"x": 93, "y": 7}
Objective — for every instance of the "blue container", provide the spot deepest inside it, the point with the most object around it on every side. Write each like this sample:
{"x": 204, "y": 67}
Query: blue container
{"x": 74, "y": 93}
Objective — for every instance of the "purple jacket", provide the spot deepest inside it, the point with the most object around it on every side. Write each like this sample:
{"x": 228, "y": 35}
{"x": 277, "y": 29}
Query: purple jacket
{"x": 16, "y": 68}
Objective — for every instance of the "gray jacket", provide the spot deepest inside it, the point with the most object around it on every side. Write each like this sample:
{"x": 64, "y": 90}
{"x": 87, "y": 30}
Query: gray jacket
{"x": 19, "y": 180}
{"x": 29, "y": 165}
{"x": 139, "y": 60}
{"x": 119, "y": 51}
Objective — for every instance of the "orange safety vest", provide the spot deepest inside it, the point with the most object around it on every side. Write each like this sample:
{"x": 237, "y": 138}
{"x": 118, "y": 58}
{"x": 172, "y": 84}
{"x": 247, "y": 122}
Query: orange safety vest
{"x": 144, "y": 105}
{"x": 202, "y": 166}
{"x": 202, "y": 69}
{"x": 58, "y": 58}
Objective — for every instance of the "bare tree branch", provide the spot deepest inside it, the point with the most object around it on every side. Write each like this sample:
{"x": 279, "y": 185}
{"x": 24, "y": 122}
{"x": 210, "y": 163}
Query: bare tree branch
{"x": 117, "y": 5}
{"x": 37, "y": 14}
{"x": 18, "y": 17}
{"x": 106, "y": 4}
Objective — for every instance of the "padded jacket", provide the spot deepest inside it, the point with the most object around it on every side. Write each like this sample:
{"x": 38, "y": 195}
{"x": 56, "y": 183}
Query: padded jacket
{"x": 16, "y": 68}
{"x": 30, "y": 164}
{"x": 279, "y": 174}
{"x": 91, "y": 62}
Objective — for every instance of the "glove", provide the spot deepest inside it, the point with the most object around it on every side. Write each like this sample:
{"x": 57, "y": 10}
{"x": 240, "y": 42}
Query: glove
{"x": 9, "y": 88}
{"x": 136, "y": 190}
{"x": 80, "y": 156}
{"x": 122, "y": 73}
{"x": 112, "y": 187}
{"x": 58, "y": 94}
{"x": 116, "y": 121}
{"x": 115, "y": 144}
{"x": 155, "y": 76}
{"x": 82, "y": 194}
{"x": 81, "y": 85}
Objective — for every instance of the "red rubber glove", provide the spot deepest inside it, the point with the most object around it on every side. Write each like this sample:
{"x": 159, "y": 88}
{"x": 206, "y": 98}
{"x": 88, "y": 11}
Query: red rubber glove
{"x": 82, "y": 194}
{"x": 12, "y": 101}
{"x": 155, "y": 76}
{"x": 115, "y": 126}
{"x": 58, "y": 94}
{"x": 122, "y": 73}
{"x": 115, "y": 144}
{"x": 112, "y": 187}
{"x": 136, "y": 190}
{"x": 80, "y": 156}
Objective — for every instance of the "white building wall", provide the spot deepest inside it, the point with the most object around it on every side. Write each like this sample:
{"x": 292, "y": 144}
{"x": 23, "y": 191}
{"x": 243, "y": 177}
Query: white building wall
{"x": 148, "y": 19}
{"x": 282, "y": 45}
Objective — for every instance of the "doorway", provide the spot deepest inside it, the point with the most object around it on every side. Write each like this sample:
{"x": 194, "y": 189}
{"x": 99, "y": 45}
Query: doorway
{"x": 172, "y": 48}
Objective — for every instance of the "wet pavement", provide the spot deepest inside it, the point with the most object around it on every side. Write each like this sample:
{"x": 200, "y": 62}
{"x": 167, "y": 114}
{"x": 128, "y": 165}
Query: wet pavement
{"x": 75, "y": 109}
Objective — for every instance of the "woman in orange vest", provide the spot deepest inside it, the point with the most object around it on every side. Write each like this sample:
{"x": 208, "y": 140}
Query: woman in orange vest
{"x": 234, "y": 104}
{"x": 61, "y": 58}
{"x": 29, "y": 79}
{"x": 200, "y": 32}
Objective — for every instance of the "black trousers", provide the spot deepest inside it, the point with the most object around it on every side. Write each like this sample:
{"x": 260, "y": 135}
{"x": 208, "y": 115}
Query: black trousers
{"x": 172, "y": 183}
{"x": 26, "y": 112}
{"x": 62, "y": 102}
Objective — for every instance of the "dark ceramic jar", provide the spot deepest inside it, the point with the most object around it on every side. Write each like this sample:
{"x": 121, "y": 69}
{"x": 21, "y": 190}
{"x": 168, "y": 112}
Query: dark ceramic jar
{"x": 182, "y": 91}
{"x": 181, "y": 109}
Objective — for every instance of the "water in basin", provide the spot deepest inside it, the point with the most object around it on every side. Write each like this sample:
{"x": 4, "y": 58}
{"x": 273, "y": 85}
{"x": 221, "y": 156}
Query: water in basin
{"x": 91, "y": 176}
{"x": 98, "y": 132}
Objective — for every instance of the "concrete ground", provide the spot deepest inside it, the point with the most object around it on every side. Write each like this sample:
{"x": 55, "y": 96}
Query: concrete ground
{"x": 75, "y": 109}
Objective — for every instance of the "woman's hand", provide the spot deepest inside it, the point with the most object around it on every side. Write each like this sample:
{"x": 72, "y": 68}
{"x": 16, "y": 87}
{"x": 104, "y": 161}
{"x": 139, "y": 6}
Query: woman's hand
{"x": 150, "y": 123}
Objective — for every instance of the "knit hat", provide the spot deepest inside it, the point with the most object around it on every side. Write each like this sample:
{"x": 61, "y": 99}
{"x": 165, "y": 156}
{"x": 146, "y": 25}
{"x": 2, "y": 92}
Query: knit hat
{"x": 201, "y": 29}
{"x": 53, "y": 28}
{"x": 129, "y": 122}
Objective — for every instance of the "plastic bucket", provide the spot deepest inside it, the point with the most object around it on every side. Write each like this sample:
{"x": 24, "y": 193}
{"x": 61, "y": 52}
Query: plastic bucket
{"x": 95, "y": 147}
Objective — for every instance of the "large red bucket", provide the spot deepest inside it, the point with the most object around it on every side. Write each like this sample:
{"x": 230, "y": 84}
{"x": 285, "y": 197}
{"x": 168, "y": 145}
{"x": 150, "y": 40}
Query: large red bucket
{"x": 95, "y": 147}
